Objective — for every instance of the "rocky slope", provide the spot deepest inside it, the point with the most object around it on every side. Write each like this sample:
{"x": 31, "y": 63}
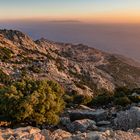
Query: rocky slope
{"x": 77, "y": 67}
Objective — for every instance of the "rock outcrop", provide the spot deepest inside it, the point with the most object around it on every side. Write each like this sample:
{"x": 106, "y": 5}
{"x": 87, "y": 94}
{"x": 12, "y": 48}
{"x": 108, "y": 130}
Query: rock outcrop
{"x": 98, "y": 115}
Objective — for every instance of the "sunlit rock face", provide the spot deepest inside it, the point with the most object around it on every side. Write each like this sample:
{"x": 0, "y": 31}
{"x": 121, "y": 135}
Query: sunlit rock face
{"x": 78, "y": 68}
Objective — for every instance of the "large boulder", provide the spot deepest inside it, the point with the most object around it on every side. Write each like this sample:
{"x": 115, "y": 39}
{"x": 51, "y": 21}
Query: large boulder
{"x": 98, "y": 115}
{"x": 128, "y": 119}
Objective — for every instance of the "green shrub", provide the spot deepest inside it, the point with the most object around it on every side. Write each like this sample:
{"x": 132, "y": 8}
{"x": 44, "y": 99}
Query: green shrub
{"x": 123, "y": 101}
{"x": 4, "y": 78}
{"x": 82, "y": 99}
{"x": 75, "y": 98}
{"x": 102, "y": 99}
{"x": 35, "y": 69}
{"x": 38, "y": 102}
{"x": 121, "y": 92}
{"x": 5, "y": 54}
{"x": 135, "y": 99}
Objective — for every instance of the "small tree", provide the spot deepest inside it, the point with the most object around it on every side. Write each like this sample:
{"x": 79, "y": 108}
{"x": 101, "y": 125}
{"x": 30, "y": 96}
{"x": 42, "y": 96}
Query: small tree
{"x": 32, "y": 101}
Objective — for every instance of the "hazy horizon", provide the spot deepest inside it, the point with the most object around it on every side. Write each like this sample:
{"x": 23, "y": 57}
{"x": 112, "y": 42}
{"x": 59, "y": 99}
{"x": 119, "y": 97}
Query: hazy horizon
{"x": 115, "y": 38}
{"x": 109, "y": 25}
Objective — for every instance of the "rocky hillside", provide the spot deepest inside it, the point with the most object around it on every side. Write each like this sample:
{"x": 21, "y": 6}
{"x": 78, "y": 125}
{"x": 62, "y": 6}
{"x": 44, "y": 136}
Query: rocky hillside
{"x": 76, "y": 67}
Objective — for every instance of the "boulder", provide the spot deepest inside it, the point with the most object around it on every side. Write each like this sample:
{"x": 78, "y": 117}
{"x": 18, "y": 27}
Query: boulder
{"x": 60, "y": 135}
{"x": 102, "y": 123}
{"x": 78, "y": 114}
{"x": 82, "y": 125}
{"x": 128, "y": 119}
{"x": 65, "y": 121}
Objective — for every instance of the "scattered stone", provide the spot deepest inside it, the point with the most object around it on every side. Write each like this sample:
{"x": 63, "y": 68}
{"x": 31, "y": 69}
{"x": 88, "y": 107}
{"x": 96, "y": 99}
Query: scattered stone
{"x": 86, "y": 108}
{"x": 60, "y": 135}
{"x": 103, "y": 129}
{"x": 82, "y": 125}
{"x": 137, "y": 130}
{"x": 64, "y": 135}
{"x": 129, "y": 119}
{"x": 46, "y": 133}
{"x": 98, "y": 115}
{"x": 101, "y": 123}
{"x": 89, "y": 136}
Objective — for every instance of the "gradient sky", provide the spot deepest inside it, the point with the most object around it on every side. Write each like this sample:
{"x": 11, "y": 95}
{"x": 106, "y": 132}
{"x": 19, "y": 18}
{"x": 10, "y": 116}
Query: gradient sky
{"x": 83, "y": 10}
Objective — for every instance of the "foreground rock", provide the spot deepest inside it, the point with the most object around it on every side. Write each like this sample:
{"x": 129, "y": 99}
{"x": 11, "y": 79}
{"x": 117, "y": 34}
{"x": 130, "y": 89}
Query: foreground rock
{"x": 30, "y": 133}
{"x": 82, "y": 125}
{"x": 98, "y": 115}
{"x": 128, "y": 119}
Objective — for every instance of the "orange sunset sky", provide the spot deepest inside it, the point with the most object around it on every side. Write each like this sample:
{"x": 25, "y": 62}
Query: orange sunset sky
{"x": 97, "y": 11}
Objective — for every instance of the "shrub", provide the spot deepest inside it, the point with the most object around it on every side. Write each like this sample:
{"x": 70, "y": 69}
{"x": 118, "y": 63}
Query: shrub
{"x": 5, "y": 54}
{"x": 82, "y": 99}
{"x": 4, "y": 78}
{"x": 78, "y": 99}
{"x": 32, "y": 101}
{"x": 123, "y": 101}
{"x": 35, "y": 69}
{"x": 102, "y": 99}
{"x": 121, "y": 92}
{"x": 135, "y": 99}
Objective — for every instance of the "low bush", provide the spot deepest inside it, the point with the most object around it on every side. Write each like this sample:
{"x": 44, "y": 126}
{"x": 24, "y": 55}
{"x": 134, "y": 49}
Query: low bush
{"x": 5, "y": 54}
{"x": 75, "y": 98}
{"x": 34, "y": 101}
{"x": 4, "y": 78}
{"x": 123, "y": 101}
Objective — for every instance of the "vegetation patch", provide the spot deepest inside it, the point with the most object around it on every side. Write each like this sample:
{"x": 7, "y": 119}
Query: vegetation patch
{"x": 32, "y": 101}
{"x": 4, "y": 78}
{"x": 5, "y": 54}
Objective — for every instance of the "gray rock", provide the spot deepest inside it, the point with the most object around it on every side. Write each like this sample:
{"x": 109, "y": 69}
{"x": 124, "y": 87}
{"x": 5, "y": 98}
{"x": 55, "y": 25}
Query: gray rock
{"x": 65, "y": 121}
{"x": 128, "y": 119}
{"x": 89, "y": 136}
{"x": 98, "y": 115}
{"x": 101, "y": 123}
{"x": 137, "y": 130}
{"x": 82, "y": 125}
{"x": 60, "y": 135}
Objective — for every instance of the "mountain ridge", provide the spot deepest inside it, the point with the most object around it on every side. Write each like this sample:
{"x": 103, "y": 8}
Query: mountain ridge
{"x": 77, "y": 67}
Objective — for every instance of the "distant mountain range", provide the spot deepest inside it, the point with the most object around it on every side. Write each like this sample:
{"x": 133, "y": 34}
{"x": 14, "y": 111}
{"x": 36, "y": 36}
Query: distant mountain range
{"x": 77, "y": 67}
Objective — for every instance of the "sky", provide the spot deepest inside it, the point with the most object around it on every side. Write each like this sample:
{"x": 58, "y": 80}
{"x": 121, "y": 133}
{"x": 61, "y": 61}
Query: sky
{"x": 100, "y": 11}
